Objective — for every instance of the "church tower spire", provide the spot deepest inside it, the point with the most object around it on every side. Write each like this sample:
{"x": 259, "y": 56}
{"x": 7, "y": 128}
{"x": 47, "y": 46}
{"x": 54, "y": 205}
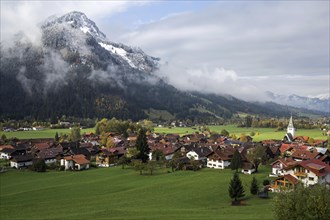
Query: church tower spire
{"x": 291, "y": 128}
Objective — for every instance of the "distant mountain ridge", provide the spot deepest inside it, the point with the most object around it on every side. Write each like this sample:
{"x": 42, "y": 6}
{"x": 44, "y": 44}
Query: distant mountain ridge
{"x": 316, "y": 103}
{"x": 77, "y": 71}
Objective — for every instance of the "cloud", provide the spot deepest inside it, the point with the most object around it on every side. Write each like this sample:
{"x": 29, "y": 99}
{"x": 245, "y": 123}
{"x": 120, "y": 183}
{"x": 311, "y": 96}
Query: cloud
{"x": 26, "y": 16}
{"x": 263, "y": 43}
{"x": 237, "y": 48}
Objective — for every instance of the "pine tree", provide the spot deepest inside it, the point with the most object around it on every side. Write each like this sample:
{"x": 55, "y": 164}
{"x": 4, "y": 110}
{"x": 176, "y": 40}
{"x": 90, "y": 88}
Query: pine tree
{"x": 254, "y": 186}
{"x": 236, "y": 161}
{"x": 142, "y": 146}
{"x": 57, "y": 138}
{"x": 236, "y": 189}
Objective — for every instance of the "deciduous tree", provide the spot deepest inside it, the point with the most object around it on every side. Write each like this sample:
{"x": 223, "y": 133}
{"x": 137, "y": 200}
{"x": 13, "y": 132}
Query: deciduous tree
{"x": 256, "y": 155}
{"x": 303, "y": 203}
{"x": 224, "y": 132}
{"x": 75, "y": 134}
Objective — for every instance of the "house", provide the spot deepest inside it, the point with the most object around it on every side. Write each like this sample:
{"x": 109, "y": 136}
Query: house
{"x": 300, "y": 155}
{"x": 7, "y": 153}
{"x": 19, "y": 161}
{"x": 49, "y": 155}
{"x": 6, "y": 147}
{"x": 279, "y": 165}
{"x": 75, "y": 162}
{"x": 248, "y": 168}
{"x": 109, "y": 156}
{"x": 68, "y": 145}
{"x": 219, "y": 159}
{"x": 80, "y": 150}
{"x": 198, "y": 153}
{"x": 273, "y": 151}
{"x": 167, "y": 150}
{"x": 285, "y": 182}
{"x": 38, "y": 128}
{"x": 287, "y": 149}
{"x": 310, "y": 172}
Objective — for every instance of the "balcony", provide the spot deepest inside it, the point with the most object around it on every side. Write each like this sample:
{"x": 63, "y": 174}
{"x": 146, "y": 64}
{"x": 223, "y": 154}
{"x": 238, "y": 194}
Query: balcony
{"x": 300, "y": 174}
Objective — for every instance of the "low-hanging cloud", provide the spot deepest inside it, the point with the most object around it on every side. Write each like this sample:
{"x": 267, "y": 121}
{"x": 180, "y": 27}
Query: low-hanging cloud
{"x": 27, "y": 16}
{"x": 261, "y": 43}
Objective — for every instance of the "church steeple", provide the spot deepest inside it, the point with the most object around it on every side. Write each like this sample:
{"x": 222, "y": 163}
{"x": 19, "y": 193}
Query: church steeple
{"x": 291, "y": 128}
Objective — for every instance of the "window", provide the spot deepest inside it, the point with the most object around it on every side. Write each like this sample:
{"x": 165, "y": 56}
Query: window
{"x": 311, "y": 178}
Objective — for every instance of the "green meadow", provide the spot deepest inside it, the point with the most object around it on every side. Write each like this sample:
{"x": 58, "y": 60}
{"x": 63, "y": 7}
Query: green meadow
{"x": 261, "y": 133}
{"x": 46, "y": 133}
{"x": 115, "y": 193}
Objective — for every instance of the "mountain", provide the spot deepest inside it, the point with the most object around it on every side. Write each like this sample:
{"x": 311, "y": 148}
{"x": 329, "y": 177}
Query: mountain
{"x": 76, "y": 71}
{"x": 321, "y": 103}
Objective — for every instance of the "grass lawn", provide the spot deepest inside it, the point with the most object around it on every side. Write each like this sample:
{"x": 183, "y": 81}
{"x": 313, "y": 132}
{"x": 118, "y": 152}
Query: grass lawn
{"x": 264, "y": 133}
{"x": 113, "y": 193}
{"x": 47, "y": 133}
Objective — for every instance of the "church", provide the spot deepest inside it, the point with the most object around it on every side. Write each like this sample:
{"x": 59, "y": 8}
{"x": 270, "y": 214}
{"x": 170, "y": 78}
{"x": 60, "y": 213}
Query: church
{"x": 290, "y": 131}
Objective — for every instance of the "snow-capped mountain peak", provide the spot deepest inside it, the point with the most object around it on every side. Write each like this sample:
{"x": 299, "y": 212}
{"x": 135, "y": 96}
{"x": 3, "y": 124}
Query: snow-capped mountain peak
{"x": 75, "y": 29}
{"x": 80, "y": 21}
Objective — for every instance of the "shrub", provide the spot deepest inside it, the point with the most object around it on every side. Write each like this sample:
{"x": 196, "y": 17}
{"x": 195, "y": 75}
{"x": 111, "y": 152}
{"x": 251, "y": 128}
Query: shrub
{"x": 266, "y": 182}
{"x": 39, "y": 165}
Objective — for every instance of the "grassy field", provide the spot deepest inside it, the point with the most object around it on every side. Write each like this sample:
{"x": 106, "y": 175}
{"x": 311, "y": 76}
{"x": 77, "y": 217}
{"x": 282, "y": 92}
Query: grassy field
{"x": 264, "y": 133}
{"x": 113, "y": 193}
{"x": 47, "y": 133}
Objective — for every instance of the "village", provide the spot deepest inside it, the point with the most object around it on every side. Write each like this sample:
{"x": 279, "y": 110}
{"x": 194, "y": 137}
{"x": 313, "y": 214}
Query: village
{"x": 292, "y": 160}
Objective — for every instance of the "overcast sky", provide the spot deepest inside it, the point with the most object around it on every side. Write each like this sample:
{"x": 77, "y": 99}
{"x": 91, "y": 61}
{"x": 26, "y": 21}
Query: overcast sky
{"x": 224, "y": 47}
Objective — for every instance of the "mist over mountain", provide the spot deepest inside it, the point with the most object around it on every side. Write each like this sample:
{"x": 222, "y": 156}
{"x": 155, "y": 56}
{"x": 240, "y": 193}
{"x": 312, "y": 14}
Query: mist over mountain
{"x": 76, "y": 71}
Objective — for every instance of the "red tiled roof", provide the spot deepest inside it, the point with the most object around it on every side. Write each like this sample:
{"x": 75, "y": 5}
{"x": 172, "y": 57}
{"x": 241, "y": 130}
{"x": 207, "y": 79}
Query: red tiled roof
{"x": 167, "y": 148}
{"x": 316, "y": 166}
{"x": 291, "y": 178}
{"x": 40, "y": 146}
{"x": 285, "y": 147}
{"x": 6, "y": 147}
{"x": 79, "y": 159}
{"x": 304, "y": 154}
{"x": 287, "y": 161}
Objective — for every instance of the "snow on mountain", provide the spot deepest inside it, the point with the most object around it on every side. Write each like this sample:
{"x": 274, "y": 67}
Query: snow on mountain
{"x": 72, "y": 30}
{"x": 324, "y": 96}
{"x": 77, "y": 20}
{"x": 320, "y": 103}
{"x": 121, "y": 52}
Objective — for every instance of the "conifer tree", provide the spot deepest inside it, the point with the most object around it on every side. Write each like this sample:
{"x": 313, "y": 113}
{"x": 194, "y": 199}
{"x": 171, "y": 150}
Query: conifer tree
{"x": 142, "y": 146}
{"x": 236, "y": 189}
{"x": 57, "y": 138}
{"x": 236, "y": 161}
{"x": 254, "y": 186}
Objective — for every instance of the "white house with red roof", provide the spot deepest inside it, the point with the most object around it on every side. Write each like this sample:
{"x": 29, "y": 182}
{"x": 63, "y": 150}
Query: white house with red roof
{"x": 219, "y": 159}
{"x": 279, "y": 165}
{"x": 310, "y": 172}
{"x": 75, "y": 162}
